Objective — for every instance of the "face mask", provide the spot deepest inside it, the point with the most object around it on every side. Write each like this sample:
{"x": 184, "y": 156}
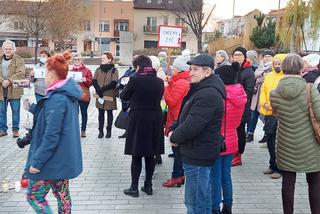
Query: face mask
{"x": 43, "y": 60}
{"x": 277, "y": 69}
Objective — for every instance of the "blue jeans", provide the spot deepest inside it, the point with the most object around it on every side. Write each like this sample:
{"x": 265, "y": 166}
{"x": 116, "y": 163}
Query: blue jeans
{"x": 84, "y": 114}
{"x": 38, "y": 97}
{"x": 220, "y": 179}
{"x": 15, "y": 108}
{"x": 254, "y": 116}
{"x": 197, "y": 196}
{"x": 177, "y": 163}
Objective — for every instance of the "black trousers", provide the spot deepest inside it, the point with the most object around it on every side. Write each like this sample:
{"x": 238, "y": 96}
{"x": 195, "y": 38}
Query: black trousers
{"x": 101, "y": 119}
{"x": 241, "y": 130}
{"x": 136, "y": 167}
{"x": 288, "y": 186}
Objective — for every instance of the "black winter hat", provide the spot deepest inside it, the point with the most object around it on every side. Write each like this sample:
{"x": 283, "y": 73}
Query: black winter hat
{"x": 228, "y": 73}
{"x": 268, "y": 52}
{"x": 202, "y": 60}
{"x": 242, "y": 50}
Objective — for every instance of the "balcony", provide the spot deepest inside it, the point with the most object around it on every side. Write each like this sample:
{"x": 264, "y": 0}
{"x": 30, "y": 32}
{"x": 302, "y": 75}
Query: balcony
{"x": 116, "y": 33}
{"x": 150, "y": 29}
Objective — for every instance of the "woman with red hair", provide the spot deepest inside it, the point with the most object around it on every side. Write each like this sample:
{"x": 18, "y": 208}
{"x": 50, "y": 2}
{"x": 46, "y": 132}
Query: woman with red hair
{"x": 105, "y": 81}
{"x": 55, "y": 151}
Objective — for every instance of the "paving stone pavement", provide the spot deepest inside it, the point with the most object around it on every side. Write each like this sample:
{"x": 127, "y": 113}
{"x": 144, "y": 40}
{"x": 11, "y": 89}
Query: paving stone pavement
{"x": 106, "y": 173}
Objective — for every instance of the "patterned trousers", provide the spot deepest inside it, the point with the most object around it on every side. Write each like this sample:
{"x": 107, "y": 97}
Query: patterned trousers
{"x": 37, "y": 191}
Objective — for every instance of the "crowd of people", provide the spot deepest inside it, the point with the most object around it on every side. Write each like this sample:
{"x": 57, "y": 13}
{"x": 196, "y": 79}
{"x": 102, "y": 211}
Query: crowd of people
{"x": 207, "y": 106}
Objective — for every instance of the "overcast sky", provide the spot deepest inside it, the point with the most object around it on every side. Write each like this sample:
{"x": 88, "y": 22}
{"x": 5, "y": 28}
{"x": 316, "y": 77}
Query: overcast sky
{"x": 223, "y": 8}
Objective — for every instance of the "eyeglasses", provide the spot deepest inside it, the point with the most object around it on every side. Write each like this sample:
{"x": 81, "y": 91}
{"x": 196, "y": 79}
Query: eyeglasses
{"x": 76, "y": 59}
{"x": 238, "y": 54}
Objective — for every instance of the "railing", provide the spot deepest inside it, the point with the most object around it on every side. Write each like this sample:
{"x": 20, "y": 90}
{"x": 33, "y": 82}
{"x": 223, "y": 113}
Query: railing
{"x": 150, "y": 29}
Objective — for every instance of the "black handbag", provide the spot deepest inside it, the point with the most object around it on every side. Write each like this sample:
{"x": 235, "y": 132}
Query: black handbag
{"x": 122, "y": 120}
{"x": 223, "y": 146}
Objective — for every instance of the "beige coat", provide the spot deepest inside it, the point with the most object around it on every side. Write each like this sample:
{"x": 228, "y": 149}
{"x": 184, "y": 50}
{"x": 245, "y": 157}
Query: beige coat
{"x": 103, "y": 79}
{"x": 16, "y": 72}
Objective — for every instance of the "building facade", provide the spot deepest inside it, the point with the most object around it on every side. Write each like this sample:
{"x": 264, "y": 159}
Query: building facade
{"x": 148, "y": 16}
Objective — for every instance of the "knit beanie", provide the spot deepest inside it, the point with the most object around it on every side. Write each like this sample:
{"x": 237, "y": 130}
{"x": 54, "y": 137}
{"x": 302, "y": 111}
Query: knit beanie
{"x": 181, "y": 63}
{"x": 268, "y": 52}
{"x": 155, "y": 62}
{"x": 242, "y": 50}
{"x": 186, "y": 53}
{"x": 312, "y": 59}
{"x": 228, "y": 73}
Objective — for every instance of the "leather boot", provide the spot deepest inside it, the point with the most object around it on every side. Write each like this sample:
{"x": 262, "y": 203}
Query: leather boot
{"x": 226, "y": 210}
{"x": 132, "y": 191}
{"x": 147, "y": 188}
{"x": 108, "y": 135}
{"x": 100, "y": 134}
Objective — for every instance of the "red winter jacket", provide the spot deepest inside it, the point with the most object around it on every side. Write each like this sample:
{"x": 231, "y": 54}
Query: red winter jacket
{"x": 86, "y": 73}
{"x": 174, "y": 93}
{"x": 236, "y": 101}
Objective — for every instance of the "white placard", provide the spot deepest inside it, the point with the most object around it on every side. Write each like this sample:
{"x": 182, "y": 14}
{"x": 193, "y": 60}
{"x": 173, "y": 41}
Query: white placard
{"x": 77, "y": 76}
{"x": 39, "y": 73}
{"x": 169, "y": 37}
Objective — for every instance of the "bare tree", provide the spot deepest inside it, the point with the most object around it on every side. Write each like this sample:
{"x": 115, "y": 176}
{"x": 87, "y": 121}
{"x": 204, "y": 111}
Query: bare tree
{"x": 191, "y": 12}
{"x": 4, "y": 15}
{"x": 33, "y": 16}
{"x": 64, "y": 19}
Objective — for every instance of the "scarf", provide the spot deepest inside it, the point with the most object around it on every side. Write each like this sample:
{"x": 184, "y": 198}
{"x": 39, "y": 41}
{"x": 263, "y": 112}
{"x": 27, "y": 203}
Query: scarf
{"x": 147, "y": 71}
{"x": 106, "y": 67}
{"x": 225, "y": 62}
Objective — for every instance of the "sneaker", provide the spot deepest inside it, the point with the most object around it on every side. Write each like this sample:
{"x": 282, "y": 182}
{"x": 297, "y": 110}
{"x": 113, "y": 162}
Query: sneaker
{"x": 275, "y": 175}
{"x": 15, "y": 134}
{"x": 268, "y": 171}
{"x": 3, "y": 133}
{"x": 249, "y": 138}
{"x": 264, "y": 139}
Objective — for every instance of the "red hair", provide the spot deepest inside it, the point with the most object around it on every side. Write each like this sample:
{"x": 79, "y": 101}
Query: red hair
{"x": 59, "y": 63}
{"x": 109, "y": 55}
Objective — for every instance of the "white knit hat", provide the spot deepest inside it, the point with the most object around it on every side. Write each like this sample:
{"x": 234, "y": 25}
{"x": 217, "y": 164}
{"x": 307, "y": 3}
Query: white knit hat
{"x": 186, "y": 53}
{"x": 155, "y": 62}
{"x": 181, "y": 63}
{"x": 312, "y": 59}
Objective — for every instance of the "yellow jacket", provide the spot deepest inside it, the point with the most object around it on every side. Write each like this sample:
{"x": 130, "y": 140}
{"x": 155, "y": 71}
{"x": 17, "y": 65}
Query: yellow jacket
{"x": 270, "y": 83}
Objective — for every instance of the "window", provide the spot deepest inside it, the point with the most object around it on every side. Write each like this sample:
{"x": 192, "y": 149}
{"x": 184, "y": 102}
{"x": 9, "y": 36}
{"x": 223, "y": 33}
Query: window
{"x": 121, "y": 26}
{"x": 86, "y": 25}
{"x": 18, "y": 25}
{"x": 149, "y": 1}
{"x": 165, "y": 20}
{"x": 150, "y": 44}
{"x": 104, "y": 26}
{"x": 159, "y": 1}
{"x": 170, "y": 1}
{"x": 179, "y": 22}
{"x": 151, "y": 21}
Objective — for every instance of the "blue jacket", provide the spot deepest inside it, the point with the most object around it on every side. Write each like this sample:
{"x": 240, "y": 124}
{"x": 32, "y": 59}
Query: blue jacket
{"x": 55, "y": 147}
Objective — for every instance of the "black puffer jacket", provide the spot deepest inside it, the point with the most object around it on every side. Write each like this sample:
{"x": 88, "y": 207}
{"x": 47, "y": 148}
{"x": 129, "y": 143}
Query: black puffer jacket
{"x": 247, "y": 80}
{"x": 197, "y": 130}
{"x": 311, "y": 76}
